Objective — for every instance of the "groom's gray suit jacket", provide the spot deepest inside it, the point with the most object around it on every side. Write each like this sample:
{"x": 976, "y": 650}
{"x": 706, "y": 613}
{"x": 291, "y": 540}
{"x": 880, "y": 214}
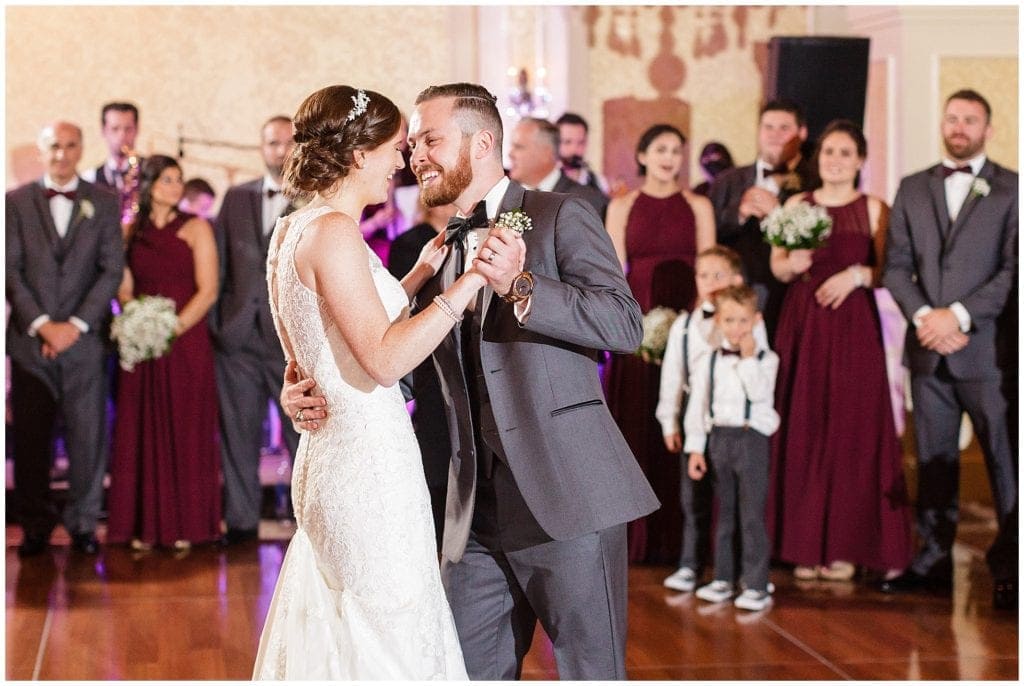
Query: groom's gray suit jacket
{"x": 546, "y": 416}
{"x": 933, "y": 261}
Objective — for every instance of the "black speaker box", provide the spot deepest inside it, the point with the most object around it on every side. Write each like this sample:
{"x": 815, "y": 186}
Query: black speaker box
{"x": 827, "y": 77}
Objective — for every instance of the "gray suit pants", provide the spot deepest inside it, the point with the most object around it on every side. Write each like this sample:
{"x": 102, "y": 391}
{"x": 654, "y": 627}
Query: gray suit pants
{"x": 498, "y": 591}
{"x": 939, "y": 400}
{"x": 740, "y": 458}
{"x": 246, "y": 380}
{"x": 34, "y": 409}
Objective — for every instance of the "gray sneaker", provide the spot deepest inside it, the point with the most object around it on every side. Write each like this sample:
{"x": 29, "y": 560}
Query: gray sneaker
{"x": 683, "y": 579}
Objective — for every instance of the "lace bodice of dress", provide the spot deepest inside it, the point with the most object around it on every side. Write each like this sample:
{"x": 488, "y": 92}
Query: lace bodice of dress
{"x": 300, "y": 311}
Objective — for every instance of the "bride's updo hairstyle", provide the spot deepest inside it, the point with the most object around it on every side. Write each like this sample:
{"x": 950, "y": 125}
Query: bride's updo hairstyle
{"x": 330, "y": 126}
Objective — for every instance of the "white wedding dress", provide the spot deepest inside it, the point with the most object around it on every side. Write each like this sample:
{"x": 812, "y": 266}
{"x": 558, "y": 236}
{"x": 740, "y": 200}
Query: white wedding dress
{"x": 359, "y": 594}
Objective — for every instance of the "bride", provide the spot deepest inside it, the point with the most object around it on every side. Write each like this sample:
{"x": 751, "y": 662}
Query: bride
{"x": 359, "y": 594}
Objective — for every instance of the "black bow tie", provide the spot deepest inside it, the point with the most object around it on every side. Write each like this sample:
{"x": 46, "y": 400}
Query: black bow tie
{"x": 51, "y": 192}
{"x": 458, "y": 227}
{"x": 271, "y": 192}
{"x": 726, "y": 351}
{"x": 777, "y": 169}
{"x": 966, "y": 169}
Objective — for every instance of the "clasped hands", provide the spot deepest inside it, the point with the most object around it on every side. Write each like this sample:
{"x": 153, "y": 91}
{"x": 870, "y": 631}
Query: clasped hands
{"x": 939, "y": 330}
{"x": 499, "y": 259}
{"x": 756, "y": 202}
{"x": 57, "y": 337}
{"x": 835, "y": 289}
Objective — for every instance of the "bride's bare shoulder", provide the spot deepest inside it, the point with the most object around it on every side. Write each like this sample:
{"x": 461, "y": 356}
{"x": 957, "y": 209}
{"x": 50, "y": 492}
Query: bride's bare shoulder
{"x": 332, "y": 235}
{"x": 331, "y": 227}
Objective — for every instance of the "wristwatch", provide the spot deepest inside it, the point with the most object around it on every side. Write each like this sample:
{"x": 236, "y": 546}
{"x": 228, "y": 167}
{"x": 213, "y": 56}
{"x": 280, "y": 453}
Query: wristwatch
{"x": 522, "y": 288}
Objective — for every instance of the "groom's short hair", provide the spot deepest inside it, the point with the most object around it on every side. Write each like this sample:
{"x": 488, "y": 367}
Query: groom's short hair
{"x": 475, "y": 107}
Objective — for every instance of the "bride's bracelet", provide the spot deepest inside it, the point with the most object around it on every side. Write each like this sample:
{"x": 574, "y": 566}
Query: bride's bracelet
{"x": 445, "y": 305}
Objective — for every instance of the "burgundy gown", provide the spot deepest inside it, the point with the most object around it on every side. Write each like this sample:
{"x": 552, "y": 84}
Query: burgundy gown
{"x": 837, "y": 490}
{"x": 165, "y": 465}
{"x": 661, "y": 246}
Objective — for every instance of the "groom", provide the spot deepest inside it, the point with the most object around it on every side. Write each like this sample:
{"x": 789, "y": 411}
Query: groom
{"x": 541, "y": 482}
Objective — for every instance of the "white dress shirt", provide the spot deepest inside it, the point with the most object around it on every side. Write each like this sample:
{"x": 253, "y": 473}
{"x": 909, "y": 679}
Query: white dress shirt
{"x": 272, "y": 207}
{"x": 113, "y": 172}
{"x": 702, "y": 336}
{"x": 737, "y": 380}
{"x": 586, "y": 173}
{"x": 547, "y": 184}
{"x": 475, "y": 238}
{"x": 60, "y": 207}
{"x": 958, "y": 186}
{"x": 60, "y": 210}
{"x": 765, "y": 179}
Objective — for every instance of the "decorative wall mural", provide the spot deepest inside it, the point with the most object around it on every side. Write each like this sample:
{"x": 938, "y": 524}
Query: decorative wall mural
{"x": 627, "y": 118}
{"x": 622, "y": 34}
{"x": 698, "y": 68}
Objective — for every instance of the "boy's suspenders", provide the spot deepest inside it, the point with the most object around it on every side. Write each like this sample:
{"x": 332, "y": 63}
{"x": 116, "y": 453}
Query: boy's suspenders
{"x": 686, "y": 353}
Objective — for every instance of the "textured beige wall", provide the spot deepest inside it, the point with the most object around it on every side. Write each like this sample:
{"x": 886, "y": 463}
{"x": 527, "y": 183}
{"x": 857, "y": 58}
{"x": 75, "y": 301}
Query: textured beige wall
{"x": 722, "y": 78}
{"x": 996, "y": 79}
{"x": 217, "y": 71}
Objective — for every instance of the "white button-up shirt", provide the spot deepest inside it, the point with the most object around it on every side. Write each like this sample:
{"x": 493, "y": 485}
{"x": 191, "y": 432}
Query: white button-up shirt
{"x": 272, "y": 207}
{"x": 737, "y": 380}
{"x": 701, "y": 336}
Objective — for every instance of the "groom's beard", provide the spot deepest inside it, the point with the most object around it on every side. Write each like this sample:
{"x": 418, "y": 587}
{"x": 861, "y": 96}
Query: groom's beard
{"x": 450, "y": 184}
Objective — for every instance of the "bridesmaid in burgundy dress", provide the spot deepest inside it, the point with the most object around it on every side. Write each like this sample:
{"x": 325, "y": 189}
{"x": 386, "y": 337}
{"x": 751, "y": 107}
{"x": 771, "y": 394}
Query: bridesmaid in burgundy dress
{"x": 165, "y": 466}
{"x": 838, "y": 497}
{"x": 657, "y": 232}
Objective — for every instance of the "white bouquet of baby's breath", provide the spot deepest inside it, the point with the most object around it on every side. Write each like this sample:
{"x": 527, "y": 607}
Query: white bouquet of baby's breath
{"x": 144, "y": 330}
{"x": 797, "y": 227}
{"x": 657, "y": 322}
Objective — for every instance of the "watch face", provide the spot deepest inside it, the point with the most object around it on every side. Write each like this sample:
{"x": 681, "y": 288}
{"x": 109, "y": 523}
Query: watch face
{"x": 522, "y": 287}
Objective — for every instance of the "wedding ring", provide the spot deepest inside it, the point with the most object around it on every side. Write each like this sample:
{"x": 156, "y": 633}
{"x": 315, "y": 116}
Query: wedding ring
{"x": 299, "y": 417}
{"x": 490, "y": 258}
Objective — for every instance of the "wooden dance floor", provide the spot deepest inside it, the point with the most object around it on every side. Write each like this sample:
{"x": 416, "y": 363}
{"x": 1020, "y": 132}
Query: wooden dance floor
{"x": 122, "y": 615}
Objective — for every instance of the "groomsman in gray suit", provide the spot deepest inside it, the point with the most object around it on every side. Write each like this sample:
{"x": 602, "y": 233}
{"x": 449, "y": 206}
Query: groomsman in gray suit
{"x": 951, "y": 262}
{"x": 534, "y": 163}
{"x": 64, "y": 263}
{"x": 248, "y": 354}
{"x": 541, "y": 482}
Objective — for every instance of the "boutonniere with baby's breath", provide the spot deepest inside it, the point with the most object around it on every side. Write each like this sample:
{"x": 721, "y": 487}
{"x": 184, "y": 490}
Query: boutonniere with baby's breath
{"x": 980, "y": 188}
{"x": 86, "y": 209}
{"x": 516, "y": 220}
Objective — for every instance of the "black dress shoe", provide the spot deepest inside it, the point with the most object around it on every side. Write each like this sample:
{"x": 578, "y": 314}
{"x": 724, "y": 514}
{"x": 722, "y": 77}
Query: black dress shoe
{"x": 85, "y": 543}
{"x": 1004, "y": 594}
{"x": 912, "y": 582}
{"x": 237, "y": 536}
{"x": 32, "y": 545}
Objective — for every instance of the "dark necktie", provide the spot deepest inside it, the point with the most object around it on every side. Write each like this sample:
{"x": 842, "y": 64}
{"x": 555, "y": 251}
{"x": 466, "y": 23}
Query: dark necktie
{"x": 271, "y": 192}
{"x": 458, "y": 227}
{"x": 966, "y": 169}
{"x": 51, "y": 192}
